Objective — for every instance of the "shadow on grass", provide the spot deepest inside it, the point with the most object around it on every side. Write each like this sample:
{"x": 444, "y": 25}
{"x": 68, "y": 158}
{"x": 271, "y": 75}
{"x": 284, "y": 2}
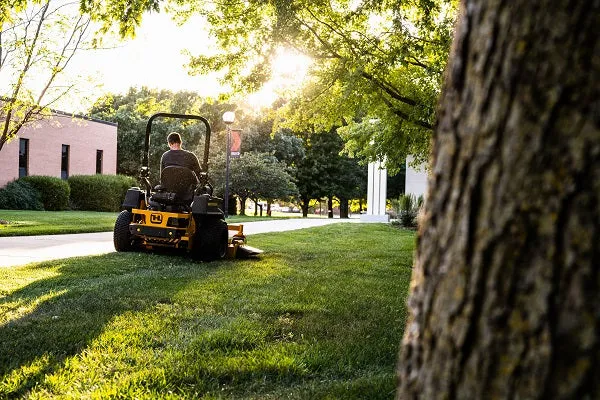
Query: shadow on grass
{"x": 56, "y": 317}
{"x": 316, "y": 317}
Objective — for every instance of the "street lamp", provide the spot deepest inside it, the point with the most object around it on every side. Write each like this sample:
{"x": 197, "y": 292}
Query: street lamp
{"x": 228, "y": 118}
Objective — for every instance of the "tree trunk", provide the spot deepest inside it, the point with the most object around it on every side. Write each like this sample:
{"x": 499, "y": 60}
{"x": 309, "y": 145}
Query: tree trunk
{"x": 304, "y": 206}
{"x": 505, "y": 299}
{"x": 232, "y": 205}
{"x": 330, "y": 207}
{"x": 243, "y": 205}
{"x": 344, "y": 208}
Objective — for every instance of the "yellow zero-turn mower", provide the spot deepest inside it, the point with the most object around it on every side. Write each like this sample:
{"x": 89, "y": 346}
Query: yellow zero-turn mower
{"x": 179, "y": 213}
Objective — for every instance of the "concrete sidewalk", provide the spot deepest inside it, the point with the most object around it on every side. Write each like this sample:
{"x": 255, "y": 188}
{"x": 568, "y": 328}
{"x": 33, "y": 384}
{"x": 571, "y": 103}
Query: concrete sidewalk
{"x": 20, "y": 250}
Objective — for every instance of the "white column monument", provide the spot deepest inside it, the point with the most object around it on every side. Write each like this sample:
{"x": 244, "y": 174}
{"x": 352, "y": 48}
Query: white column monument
{"x": 376, "y": 194}
{"x": 416, "y": 178}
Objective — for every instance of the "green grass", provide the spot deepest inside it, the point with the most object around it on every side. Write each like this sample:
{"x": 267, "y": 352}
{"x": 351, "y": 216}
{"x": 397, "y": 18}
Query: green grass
{"x": 28, "y": 223}
{"x": 320, "y": 315}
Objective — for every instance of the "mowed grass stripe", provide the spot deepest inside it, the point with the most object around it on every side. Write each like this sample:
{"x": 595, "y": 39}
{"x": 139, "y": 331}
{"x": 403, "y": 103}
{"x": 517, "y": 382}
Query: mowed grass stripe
{"x": 30, "y": 223}
{"x": 319, "y": 315}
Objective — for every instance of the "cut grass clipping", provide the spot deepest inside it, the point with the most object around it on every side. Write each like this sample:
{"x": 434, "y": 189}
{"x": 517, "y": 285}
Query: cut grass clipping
{"x": 319, "y": 315}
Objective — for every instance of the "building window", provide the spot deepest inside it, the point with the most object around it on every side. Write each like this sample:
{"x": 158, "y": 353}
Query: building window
{"x": 23, "y": 157}
{"x": 99, "y": 154}
{"x": 64, "y": 164}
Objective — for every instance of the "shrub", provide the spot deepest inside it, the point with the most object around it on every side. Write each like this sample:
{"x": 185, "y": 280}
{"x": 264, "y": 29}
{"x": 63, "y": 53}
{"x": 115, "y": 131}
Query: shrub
{"x": 54, "y": 191}
{"x": 407, "y": 209}
{"x": 99, "y": 192}
{"x": 20, "y": 195}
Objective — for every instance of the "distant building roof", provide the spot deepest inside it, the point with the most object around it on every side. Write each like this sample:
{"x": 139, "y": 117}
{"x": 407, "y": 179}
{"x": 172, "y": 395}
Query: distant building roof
{"x": 73, "y": 115}
{"x": 86, "y": 117}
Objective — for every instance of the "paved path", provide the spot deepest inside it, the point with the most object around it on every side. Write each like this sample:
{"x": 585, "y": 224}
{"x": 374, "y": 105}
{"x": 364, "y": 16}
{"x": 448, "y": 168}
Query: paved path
{"x": 22, "y": 250}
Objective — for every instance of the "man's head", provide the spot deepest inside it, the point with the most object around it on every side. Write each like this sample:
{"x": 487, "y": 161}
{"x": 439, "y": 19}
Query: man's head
{"x": 174, "y": 140}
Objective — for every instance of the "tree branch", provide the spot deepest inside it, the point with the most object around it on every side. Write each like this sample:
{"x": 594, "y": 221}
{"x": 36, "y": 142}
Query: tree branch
{"x": 6, "y": 131}
{"x": 401, "y": 114}
{"x": 385, "y": 86}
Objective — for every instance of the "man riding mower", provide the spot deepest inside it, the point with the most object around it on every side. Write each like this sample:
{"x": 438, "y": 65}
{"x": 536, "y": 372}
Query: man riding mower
{"x": 179, "y": 213}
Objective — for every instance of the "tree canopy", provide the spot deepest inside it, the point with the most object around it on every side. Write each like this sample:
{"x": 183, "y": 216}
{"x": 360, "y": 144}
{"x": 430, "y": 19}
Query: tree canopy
{"x": 36, "y": 46}
{"x": 371, "y": 60}
{"x": 132, "y": 110}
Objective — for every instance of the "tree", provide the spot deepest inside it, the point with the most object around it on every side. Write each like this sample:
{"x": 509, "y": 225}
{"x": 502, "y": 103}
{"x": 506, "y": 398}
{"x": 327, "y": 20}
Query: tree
{"x": 396, "y": 184}
{"x": 257, "y": 176}
{"x": 325, "y": 172}
{"x": 505, "y": 298}
{"x": 351, "y": 184}
{"x": 372, "y": 60}
{"x": 36, "y": 46}
{"x": 276, "y": 183}
{"x": 132, "y": 110}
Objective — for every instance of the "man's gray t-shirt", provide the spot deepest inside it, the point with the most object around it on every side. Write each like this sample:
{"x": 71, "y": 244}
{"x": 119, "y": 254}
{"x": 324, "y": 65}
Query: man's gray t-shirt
{"x": 181, "y": 158}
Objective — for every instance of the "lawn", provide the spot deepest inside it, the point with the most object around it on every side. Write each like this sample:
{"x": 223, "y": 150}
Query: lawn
{"x": 320, "y": 315}
{"x": 28, "y": 223}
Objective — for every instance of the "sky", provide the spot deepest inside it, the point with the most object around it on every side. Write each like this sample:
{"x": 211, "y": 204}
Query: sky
{"x": 156, "y": 59}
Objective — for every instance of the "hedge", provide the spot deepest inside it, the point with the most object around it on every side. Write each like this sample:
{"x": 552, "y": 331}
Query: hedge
{"x": 99, "y": 192}
{"x": 20, "y": 195}
{"x": 54, "y": 191}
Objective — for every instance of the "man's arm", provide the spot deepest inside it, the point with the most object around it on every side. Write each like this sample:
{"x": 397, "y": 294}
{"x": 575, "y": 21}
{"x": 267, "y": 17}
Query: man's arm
{"x": 195, "y": 164}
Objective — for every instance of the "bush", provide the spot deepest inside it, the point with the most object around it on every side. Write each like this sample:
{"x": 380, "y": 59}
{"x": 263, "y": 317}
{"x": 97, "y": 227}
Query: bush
{"x": 20, "y": 195}
{"x": 407, "y": 209}
{"x": 99, "y": 192}
{"x": 54, "y": 191}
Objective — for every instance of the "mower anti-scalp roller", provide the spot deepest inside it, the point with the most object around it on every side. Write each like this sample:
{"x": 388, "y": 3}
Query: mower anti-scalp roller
{"x": 237, "y": 247}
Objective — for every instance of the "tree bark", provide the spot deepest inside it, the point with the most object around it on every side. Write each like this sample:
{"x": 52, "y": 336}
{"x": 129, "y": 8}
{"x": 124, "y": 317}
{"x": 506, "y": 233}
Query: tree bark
{"x": 232, "y": 203}
{"x": 344, "y": 208}
{"x": 243, "y": 205}
{"x": 330, "y": 207}
{"x": 505, "y": 294}
{"x": 304, "y": 205}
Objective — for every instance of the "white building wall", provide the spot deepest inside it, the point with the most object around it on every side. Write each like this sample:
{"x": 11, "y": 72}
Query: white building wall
{"x": 416, "y": 179}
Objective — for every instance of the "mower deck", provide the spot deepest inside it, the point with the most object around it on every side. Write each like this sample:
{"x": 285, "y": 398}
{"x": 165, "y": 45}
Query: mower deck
{"x": 174, "y": 230}
{"x": 237, "y": 247}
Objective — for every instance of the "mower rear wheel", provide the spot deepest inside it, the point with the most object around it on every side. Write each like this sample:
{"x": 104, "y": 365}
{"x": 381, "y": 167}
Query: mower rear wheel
{"x": 210, "y": 240}
{"x": 121, "y": 235}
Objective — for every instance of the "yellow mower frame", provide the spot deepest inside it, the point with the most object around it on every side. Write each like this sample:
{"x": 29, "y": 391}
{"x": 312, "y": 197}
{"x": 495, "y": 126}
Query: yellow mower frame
{"x": 175, "y": 230}
{"x": 176, "y": 217}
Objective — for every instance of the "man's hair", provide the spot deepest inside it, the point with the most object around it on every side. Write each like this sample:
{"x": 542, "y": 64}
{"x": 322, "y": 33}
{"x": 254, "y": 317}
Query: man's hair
{"x": 174, "y": 138}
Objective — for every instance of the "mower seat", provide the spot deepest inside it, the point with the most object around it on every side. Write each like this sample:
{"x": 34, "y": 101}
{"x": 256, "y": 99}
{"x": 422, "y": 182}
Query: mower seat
{"x": 179, "y": 181}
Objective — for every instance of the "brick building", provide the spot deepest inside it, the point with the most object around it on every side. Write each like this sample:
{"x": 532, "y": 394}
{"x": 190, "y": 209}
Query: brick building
{"x": 61, "y": 146}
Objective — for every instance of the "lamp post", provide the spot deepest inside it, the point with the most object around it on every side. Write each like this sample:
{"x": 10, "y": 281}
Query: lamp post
{"x": 228, "y": 118}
